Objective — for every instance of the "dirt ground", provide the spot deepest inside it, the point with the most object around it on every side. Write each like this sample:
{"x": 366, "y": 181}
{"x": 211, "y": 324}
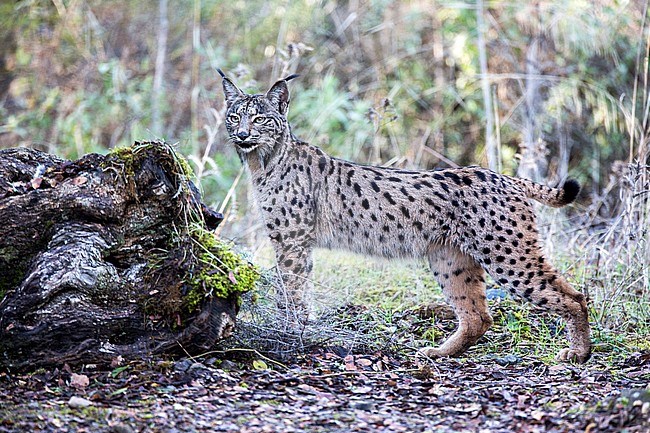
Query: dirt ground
{"x": 330, "y": 390}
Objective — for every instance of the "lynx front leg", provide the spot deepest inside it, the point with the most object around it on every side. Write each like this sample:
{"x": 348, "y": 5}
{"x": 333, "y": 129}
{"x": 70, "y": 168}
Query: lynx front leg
{"x": 295, "y": 266}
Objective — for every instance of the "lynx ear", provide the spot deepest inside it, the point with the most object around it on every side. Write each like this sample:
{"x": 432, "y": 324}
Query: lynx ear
{"x": 278, "y": 94}
{"x": 231, "y": 91}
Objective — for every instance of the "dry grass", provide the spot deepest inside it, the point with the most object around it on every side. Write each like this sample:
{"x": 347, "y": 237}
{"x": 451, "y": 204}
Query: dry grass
{"x": 357, "y": 303}
{"x": 614, "y": 256}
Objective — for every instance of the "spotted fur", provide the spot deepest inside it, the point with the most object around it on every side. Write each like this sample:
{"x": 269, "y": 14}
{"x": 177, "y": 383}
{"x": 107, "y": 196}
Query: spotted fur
{"x": 465, "y": 221}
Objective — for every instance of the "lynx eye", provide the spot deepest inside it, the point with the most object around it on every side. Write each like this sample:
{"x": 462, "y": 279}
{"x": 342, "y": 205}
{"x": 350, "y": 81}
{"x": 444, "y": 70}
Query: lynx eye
{"x": 259, "y": 120}
{"x": 234, "y": 118}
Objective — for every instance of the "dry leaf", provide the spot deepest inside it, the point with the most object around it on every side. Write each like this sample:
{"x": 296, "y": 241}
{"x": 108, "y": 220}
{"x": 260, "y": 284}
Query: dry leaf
{"x": 363, "y": 362}
{"x": 36, "y": 182}
{"x": 349, "y": 363}
{"x": 80, "y": 180}
{"x": 79, "y": 402}
{"x": 362, "y": 390}
{"x": 79, "y": 381}
{"x": 537, "y": 415}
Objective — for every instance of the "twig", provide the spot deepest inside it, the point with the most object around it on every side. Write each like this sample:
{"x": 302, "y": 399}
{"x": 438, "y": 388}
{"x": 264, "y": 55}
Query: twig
{"x": 354, "y": 373}
{"x": 242, "y": 349}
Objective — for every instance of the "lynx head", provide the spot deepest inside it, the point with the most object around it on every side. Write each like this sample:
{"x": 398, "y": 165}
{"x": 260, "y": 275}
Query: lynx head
{"x": 256, "y": 122}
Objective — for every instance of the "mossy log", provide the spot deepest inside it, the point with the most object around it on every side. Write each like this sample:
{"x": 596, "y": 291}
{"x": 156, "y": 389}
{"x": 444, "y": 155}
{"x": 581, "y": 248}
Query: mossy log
{"x": 102, "y": 257}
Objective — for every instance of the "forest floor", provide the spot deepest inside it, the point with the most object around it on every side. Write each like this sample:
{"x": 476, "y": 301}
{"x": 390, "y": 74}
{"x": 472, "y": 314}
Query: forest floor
{"x": 358, "y": 374}
{"x": 328, "y": 391}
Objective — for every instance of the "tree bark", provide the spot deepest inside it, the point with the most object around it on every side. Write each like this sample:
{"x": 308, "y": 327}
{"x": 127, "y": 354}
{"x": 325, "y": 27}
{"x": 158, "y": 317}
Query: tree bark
{"x": 157, "y": 91}
{"x": 96, "y": 258}
{"x": 490, "y": 142}
{"x": 533, "y": 163}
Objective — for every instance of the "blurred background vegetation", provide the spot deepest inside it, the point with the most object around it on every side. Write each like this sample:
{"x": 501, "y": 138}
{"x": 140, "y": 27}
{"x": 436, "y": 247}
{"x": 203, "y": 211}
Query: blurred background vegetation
{"x": 541, "y": 89}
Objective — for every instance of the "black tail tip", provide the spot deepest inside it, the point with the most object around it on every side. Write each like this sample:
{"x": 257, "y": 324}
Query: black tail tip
{"x": 290, "y": 77}
{"x": 571, "y": 189}
{"x": 221, "y": 73}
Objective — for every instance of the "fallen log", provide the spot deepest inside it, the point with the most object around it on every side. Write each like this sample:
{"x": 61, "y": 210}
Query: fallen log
{"x": 110, "y": 255}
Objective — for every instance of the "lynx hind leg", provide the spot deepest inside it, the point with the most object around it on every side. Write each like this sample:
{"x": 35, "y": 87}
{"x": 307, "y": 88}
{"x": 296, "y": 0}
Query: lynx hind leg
{"x": 557, "y": 295}
{"x": 530, "y": 277}
{"x": 462, "y": 281}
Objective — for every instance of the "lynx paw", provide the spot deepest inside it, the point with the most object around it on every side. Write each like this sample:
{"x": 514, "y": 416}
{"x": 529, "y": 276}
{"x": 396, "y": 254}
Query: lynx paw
{"x": 429, "y": 352}
{"x": 572, "y": 355}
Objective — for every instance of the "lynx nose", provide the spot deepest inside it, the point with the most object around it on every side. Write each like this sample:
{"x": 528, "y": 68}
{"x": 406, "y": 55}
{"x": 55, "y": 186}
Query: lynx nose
{"x": 242, "y": 134}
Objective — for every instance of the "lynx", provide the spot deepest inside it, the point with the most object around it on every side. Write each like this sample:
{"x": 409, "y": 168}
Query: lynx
{"x": 465, "y": 221}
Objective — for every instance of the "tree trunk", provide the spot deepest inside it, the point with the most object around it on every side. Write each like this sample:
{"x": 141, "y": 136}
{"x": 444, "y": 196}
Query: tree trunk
{"x": 533, "y": 151}
{"x": 157, "y": 91}
{"x": 99, "y": 258}
{"x": 490, "y": 142}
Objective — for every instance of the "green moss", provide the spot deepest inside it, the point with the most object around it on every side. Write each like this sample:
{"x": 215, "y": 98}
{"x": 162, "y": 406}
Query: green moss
{"x": 9, "y": 253}
{"x": 123, "y": 153}
{"x": 178, "y": 163}
{"x": 129, "y": 157}
{"x": 219, "y": 270}
{"x": 126, "y": 158}
{"x": 182, "y": 163}
{"x": 209, "y": 267}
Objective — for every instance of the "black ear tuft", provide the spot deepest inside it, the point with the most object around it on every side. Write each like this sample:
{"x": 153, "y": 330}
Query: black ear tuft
{"x": 278, "y": 95}
{"x": 231, "y": 91}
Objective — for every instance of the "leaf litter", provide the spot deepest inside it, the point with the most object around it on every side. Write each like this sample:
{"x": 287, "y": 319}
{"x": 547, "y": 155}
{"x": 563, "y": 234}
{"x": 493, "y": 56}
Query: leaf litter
{"x": 329, "y": 390}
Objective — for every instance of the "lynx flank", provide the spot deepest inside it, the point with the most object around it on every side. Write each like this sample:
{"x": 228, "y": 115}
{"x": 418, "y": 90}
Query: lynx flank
{"x": 464, "y": 221}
